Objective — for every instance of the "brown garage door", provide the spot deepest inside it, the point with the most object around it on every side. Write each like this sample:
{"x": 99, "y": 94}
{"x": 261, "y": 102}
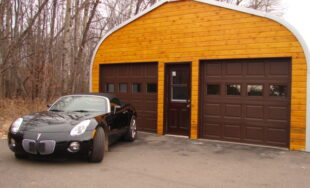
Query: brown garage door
{"x": 135, "y": 84}
{"x": 246, "y": 101}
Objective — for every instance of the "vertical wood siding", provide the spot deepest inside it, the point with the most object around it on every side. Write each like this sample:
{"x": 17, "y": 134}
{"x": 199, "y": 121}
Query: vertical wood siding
{"x": 189, "y": 31}
{"x": 160, "y": 98}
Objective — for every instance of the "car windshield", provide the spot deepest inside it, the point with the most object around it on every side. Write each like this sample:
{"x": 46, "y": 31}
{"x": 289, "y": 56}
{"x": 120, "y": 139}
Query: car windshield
{"x": 80, "y": 104}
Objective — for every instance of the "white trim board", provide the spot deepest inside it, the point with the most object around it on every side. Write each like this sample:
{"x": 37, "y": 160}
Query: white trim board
{"x": 240, "y": 9}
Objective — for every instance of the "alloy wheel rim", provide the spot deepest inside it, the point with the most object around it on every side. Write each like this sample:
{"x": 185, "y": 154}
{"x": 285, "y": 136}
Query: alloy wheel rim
{"x": 133, "y": 128}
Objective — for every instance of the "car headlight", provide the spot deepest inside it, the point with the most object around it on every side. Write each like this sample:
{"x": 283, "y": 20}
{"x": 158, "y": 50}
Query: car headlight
{"x": 80, "y": 128}
{"x": 16, "y": 125}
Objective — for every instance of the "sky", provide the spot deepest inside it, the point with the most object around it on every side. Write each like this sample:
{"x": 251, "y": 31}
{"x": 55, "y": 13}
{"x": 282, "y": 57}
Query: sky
{"x": 297, "y": 13}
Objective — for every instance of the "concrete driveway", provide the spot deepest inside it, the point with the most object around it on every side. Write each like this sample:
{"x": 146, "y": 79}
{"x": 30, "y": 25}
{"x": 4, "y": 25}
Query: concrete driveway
{"x": 163, "y": 161}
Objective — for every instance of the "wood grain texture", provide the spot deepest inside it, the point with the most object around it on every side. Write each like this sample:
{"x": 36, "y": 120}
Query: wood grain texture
{"x": 194, "y": 100}
{"x": 160, "y": 98}
{"x": 190, "y": 31}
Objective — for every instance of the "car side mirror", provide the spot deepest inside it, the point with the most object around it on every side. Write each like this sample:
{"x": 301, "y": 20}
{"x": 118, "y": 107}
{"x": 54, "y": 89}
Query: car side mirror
{"x": 115, "y": 109}
{"x": 48, "y": 105}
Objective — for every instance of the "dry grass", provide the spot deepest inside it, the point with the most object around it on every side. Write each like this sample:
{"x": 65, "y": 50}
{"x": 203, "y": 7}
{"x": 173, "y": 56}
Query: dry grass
{"x": 10, "y": 109}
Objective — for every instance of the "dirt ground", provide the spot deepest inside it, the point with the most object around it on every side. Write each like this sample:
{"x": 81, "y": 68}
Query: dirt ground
{"x": 164, "y": 161}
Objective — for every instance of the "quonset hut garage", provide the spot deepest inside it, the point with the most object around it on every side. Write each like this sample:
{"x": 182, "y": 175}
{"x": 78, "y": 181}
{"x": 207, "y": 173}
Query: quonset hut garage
{"x": 205, "y": 69}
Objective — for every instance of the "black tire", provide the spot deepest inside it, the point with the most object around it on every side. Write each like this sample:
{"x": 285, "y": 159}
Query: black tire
{"x": 131, "y": 134}
{"x": 20, "y": 156}
{"x": 97, "y": 153}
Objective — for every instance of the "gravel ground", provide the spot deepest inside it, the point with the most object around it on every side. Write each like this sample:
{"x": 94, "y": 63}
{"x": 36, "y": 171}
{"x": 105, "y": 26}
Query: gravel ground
{"x": 164, "y": 161}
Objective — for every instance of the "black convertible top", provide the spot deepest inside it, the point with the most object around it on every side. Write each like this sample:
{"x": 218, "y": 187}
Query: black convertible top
{"x": 107, "y": 95}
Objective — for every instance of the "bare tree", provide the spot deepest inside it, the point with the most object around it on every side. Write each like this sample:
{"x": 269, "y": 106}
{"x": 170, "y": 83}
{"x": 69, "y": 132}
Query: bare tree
{"x": 14, "y": 44}
{"x": 76, "y": 77}
{"x": 66, "y": 45}
{"x": 46, "y": 45}
{"x": 49, "y": 92}
{"x": 272, "y": 6}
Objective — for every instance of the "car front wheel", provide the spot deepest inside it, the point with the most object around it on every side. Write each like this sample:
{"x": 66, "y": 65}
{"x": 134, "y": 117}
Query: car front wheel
{"x": 131, "y": 135}
{"x": 97, "y": 153}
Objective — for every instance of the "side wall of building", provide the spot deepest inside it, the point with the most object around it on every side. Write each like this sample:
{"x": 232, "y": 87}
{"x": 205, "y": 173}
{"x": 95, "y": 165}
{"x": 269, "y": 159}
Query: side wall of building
{"x": 190, "y": 31}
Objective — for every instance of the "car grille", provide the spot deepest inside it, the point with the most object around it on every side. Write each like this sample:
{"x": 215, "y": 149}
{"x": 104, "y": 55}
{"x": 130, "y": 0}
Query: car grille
{"x": 29, "y": 146}
{"x": 44, "y": 147}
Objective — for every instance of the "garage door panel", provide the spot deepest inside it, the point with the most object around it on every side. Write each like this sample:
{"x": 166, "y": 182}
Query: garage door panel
{"x": 246, "y": 116}
{"x": 234, "y": 69}
{"x": 255, "y": 112}
{"x": 145, "y": 112}
{"x": 123, "y": 71}
{"x": 232, "y": 110}
{"x": 254, "y": 123}
{"x": 150, "y": 105}
{"x": 276, "y": 136}
{"x": 145, "y": 105}
{"x": 128, "y": 76}
{"x": 277, "y": 124}
{"x": 256, "y": 69}
{"x": 213, "y": 130}
{"x": 211, "y": 118}
{"x": 278, "y": 113}
{"x": 111, "y": 73}
{"x": 254, "y": 134}
{"x": 213, "y": 109}
{"x": 214, "y": 69}
{"x": 150, "y": 72}
{"x": 147, "y": 124}
{"x": 232, "y": 131}
{"x": 279, "y": 69}
{"x": 137, "y": 72}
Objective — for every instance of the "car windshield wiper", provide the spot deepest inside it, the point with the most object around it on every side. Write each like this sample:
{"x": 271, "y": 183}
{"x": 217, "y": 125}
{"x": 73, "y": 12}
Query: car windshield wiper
{"x": 55, "y": 110}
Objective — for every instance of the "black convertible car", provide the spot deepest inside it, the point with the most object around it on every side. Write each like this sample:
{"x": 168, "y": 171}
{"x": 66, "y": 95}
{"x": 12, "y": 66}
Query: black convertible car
{"x": 75, "y": 125}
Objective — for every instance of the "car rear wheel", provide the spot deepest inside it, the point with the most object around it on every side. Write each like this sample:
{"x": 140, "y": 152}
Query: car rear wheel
{"x": 97, "y": 153}
{"x": 131, "y": 135}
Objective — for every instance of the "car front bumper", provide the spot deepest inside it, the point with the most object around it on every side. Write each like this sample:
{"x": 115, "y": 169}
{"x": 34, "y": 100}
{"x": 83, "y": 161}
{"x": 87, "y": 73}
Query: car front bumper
{"x": 49, "y": 145}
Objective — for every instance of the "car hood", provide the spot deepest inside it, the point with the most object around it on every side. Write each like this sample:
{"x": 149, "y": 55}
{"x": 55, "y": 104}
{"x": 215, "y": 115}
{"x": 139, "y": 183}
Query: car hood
{"x": 49, "y": 121}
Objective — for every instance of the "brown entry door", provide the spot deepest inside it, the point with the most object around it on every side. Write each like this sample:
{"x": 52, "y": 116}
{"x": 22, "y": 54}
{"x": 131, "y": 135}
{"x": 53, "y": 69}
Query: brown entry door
{"x": 178, "y": 99}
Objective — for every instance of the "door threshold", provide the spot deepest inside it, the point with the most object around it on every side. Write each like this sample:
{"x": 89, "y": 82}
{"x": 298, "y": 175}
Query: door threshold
{"x": 242, "y": 144}
{"x": 178, "y": 136}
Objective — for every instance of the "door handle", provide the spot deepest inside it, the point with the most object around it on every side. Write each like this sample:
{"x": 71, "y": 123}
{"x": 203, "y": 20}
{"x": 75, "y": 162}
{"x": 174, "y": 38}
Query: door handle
{"x": 188, "y": 105}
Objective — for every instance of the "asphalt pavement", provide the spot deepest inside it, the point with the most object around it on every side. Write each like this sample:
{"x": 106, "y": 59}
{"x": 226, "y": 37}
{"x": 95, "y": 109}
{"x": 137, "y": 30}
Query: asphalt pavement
{"x": 163, "y": 161}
